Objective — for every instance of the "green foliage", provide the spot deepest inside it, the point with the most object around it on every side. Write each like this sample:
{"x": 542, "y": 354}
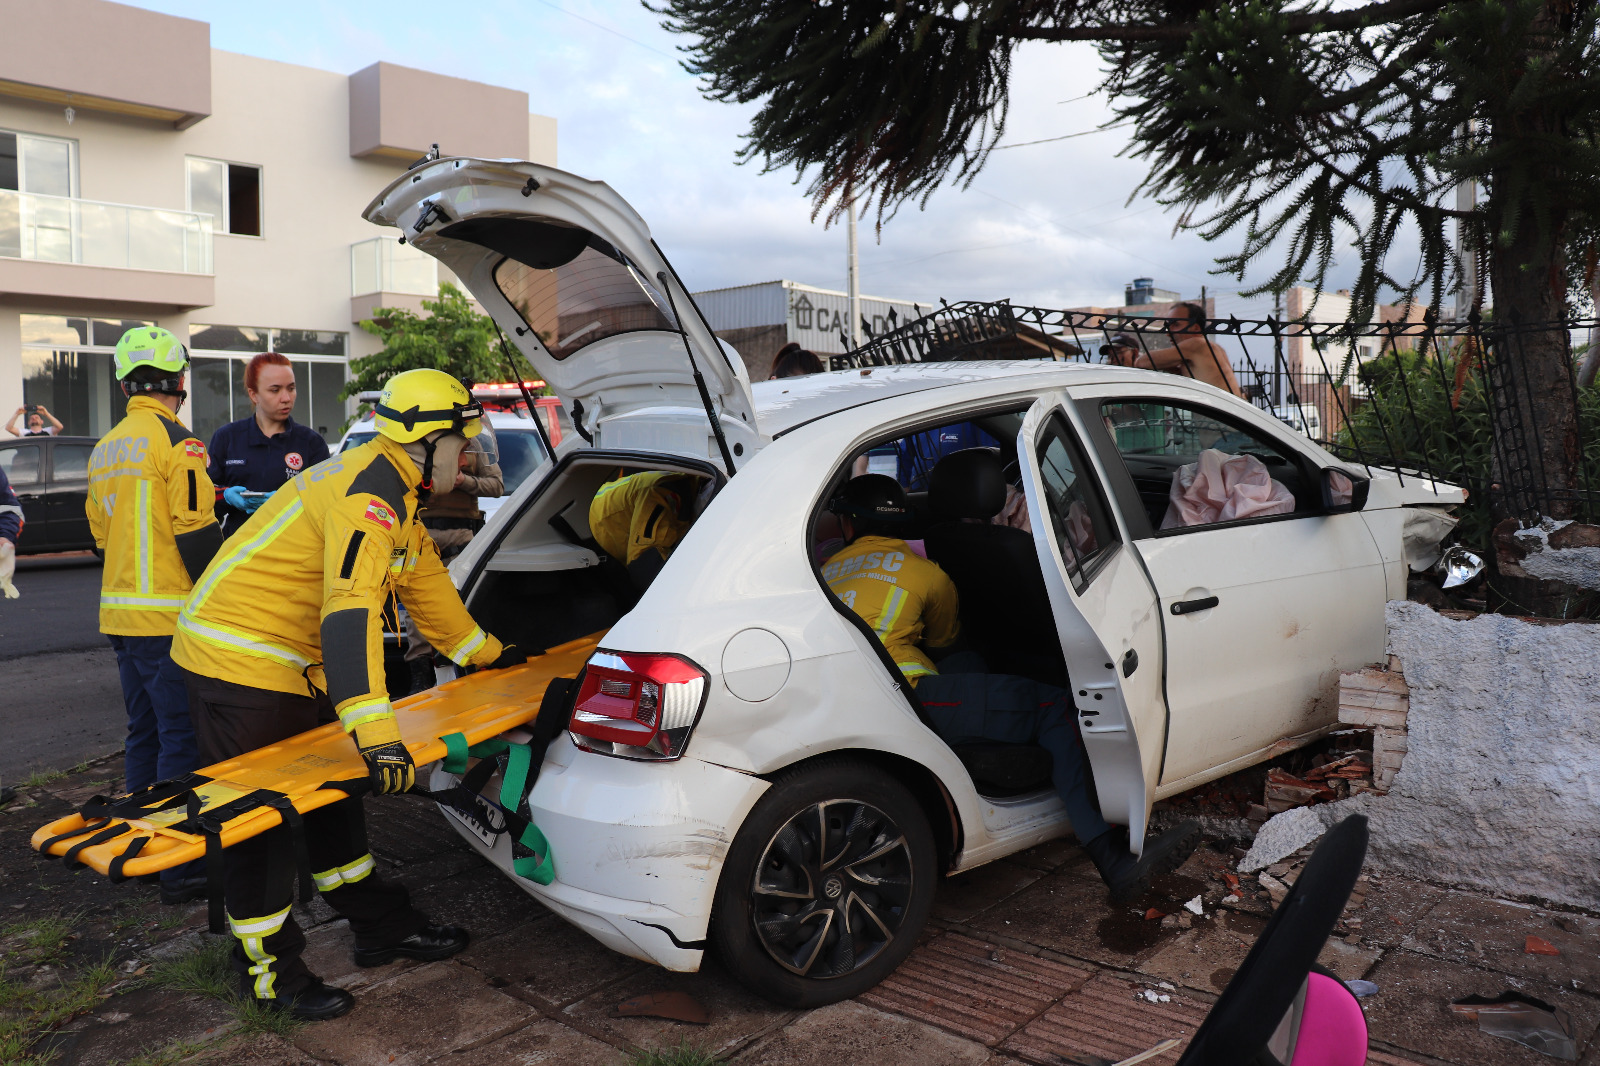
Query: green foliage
{"x": 1413, "y": 416}
{"x": 451, "y": 337}
{"x": 208, "y": 971}
{"x": 27, "y": 1014}
{"x": 683, "y": 1054}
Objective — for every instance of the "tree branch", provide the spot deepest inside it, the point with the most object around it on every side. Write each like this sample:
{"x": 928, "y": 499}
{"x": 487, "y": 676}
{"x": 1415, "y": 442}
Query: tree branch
{"x": 1300, "y": 22}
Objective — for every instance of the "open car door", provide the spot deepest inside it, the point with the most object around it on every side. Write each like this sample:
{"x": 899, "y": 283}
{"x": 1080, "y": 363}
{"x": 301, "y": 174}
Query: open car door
{"x": 569, "y": 272}
{"x": 1105, "y": 613}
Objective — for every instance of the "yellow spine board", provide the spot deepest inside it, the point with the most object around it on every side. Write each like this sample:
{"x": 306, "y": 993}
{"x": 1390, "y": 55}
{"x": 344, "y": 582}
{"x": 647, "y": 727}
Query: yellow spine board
{"x": 479, "y": 706}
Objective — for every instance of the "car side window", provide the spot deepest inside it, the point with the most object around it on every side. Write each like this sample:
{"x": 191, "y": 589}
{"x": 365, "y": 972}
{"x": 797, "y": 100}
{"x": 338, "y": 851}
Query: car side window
{"x": 70, "y": 462}
{"x": 1195, "y": 468}
{"x": 1073, "y": 504}
{"x": 21, "y": 464}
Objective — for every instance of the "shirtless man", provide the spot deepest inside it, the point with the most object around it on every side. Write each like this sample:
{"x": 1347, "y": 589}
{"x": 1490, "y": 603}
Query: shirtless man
{"x": 1192, "y": 355}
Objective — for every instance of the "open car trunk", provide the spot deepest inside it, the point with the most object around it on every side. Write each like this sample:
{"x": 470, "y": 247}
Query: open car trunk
{"x": 571, "y": 276}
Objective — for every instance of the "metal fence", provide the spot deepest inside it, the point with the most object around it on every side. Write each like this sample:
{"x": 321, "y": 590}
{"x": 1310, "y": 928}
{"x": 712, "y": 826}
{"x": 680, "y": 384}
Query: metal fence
{"x": 1446, "y": 400}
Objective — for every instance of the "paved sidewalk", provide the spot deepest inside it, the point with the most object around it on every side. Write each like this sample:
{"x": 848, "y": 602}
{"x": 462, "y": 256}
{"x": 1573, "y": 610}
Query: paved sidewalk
{"x": 1025, "y": 962}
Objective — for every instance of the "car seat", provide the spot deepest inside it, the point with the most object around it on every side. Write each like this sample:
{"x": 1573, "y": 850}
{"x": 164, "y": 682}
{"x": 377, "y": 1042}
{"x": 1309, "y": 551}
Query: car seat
{"x": 1005, "y": 611}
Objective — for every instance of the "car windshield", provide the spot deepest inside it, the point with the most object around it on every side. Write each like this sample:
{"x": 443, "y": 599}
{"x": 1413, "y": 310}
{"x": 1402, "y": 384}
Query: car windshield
{"x": 521, "y": 452}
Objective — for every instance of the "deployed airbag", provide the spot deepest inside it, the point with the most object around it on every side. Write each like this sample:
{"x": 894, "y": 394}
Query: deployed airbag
{"x": 1219, "y": 487}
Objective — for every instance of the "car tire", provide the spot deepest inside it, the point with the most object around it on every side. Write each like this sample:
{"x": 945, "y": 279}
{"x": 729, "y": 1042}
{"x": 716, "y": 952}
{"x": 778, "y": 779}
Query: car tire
{"x": 805, "y": 926}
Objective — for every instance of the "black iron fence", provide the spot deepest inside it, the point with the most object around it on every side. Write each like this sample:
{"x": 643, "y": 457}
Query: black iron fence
{"x": 1474, "y": 403}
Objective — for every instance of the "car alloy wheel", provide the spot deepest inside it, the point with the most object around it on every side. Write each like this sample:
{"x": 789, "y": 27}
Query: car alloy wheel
{"x": 831, "y": 890}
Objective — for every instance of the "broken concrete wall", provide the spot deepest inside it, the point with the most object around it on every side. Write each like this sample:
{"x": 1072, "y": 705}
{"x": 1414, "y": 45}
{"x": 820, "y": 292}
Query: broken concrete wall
{"x": 1499, "y": 789}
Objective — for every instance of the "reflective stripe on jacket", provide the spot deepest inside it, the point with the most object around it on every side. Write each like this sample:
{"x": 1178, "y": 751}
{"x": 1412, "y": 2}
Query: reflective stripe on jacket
{"x": 633, "y": 514}
{"x": 296, "y": 596}
{"x": 150, "y": 507}
{"x": 906, "y": 599}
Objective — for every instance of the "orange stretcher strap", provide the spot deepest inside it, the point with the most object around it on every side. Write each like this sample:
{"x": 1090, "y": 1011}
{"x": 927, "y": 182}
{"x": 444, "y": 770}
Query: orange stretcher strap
{"x": 234, "y": 799}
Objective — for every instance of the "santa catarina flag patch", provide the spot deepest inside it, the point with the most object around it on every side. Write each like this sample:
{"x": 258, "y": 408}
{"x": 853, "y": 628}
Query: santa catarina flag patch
{"x": 194, "y": 449}
{"x": 379, "y": 512}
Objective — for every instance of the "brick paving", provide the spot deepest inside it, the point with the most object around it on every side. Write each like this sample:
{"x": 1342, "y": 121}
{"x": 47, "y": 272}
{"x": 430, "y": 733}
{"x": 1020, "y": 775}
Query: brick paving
{"x": 1024, "y": 963}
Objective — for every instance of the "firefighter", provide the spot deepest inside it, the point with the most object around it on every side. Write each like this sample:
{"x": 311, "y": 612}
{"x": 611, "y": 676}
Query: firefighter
{"x": 284, "y": 632}
{"x": 912, "y": 605}
{"x": 640, "y": 518}
{"x": 151, "y": 509}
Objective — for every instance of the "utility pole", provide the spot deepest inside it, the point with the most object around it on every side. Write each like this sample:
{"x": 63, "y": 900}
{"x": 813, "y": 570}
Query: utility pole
{"x": 1466, "y": 201}
{"x": 854, "y": 332}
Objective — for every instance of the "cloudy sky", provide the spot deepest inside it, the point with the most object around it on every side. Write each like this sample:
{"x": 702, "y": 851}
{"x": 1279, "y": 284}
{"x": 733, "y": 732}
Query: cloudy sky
{"x": 1046, "y": 223}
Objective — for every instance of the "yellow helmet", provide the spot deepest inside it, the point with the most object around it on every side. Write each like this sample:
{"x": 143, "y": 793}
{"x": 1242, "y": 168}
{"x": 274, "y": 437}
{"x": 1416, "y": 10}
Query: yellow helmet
{"x": 417, "y": 402}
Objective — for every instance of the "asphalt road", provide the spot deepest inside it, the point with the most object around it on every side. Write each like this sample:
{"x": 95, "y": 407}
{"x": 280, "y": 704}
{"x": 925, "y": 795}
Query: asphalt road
{"x": 61, "y": 702}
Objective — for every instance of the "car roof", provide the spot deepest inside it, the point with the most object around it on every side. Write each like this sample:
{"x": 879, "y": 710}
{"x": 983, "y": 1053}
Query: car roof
{"x": 785, "y": 403}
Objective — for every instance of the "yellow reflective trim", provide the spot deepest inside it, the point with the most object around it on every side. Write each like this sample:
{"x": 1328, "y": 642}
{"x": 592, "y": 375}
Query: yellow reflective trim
{"x": 915, "y": 669}
{"x": 264, "y": 926}
{"x": 243, "y": 554}
{"x": 143, "y": 519}
{"x": 364, "y": 711}
{"x": 229, "y": 639}
{"x": 464, "y": 651}
{"x": 142, "y": 603}
{"x": 892, "y": 607}
{"x": 348, "y": 874}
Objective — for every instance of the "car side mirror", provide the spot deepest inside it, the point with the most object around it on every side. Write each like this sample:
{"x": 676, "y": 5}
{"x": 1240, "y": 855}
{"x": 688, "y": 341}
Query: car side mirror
{"x": 1342, "y": 493}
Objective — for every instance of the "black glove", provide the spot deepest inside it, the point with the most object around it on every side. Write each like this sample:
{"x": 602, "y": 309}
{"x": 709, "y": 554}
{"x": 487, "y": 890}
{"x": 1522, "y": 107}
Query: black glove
{"x": 509, "y": 656}
{"x": 389, "y": 764}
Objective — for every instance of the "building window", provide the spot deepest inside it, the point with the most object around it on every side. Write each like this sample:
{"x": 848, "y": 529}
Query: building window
{"x": 229, "y": 192}
{"x": 44, "y": 165}
{"x": 218, "y": 357}
{"x": 67, "y": 366}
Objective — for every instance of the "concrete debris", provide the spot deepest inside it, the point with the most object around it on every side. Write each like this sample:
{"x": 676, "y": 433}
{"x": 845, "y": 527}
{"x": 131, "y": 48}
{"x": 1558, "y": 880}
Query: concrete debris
{"x": 1275, "y": 888}
{"x": 1292, "y": 830}
{"x": 1554, "y": 551}
{"x": 1195, "y": 906}
{"x": 1378, "y": 699}
{"x": 1361, "y": 989}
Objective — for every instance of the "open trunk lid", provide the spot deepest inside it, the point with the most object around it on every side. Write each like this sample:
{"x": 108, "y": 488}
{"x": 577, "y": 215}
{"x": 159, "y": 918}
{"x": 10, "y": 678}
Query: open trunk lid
{"x": 571, "y": 275}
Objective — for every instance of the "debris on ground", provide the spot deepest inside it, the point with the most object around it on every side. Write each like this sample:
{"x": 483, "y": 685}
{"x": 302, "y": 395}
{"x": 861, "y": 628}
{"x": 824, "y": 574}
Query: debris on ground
{"x": 1538, "y": 945}
{"x": 1378, "y": 699}
{"x": 674, "y": 1006}
{"x": 1361, "y": 989}
{"x": 1523, "y": 1020}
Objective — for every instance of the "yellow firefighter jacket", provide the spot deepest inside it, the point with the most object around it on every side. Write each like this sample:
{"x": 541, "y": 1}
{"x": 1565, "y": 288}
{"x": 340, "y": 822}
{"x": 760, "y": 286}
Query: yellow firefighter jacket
{"x": 906, "y": 599}
{"x": 152, "y": 510}
{"x": 295, "y": 599}
{"x": 634, "y": 514}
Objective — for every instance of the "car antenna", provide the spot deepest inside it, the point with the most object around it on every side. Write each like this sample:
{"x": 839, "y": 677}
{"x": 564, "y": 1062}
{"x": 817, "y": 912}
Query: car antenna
{"x": 527, "y": 394}
{"x": 699, "y": 381}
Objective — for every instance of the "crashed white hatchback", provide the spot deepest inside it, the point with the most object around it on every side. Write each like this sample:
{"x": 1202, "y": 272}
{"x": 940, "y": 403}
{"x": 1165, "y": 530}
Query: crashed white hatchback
{"x": 769, "y": 788}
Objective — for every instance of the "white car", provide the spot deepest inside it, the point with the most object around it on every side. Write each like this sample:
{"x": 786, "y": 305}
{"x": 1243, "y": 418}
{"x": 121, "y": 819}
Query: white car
{"x": 745, "y": 768}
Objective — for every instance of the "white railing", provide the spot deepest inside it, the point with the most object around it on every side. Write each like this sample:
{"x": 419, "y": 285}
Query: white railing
{"x": 383, "y": 264}
{"x": 61, "y": 229}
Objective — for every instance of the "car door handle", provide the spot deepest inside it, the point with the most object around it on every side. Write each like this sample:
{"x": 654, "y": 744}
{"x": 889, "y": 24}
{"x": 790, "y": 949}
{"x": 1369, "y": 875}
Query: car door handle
{"x": 1205, "y": 603}
{"x": 1130, "y": 663}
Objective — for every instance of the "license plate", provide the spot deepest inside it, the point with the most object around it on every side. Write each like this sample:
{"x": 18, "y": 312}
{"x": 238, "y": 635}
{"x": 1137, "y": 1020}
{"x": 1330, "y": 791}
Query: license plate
{"x": 485, "y": 816}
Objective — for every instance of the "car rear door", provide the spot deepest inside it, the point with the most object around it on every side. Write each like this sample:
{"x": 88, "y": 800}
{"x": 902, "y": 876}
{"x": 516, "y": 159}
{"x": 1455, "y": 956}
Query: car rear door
{"x": 23, "y": 463}
{"x": 68, "y": 491}
{"x": 571, "y": 276}
{"x": 1261, "y": 612}
{"x": 1105, "y": 612}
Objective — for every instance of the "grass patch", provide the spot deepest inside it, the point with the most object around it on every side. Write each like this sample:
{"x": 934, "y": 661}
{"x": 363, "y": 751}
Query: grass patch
{"x": 170, "y": 1055}
{"x": 42, "y": 940}
{"x": 32, "y": 1013}
{"x": 684, "y": 1054}
{"x": 208, "y": 971}
{"x": 42, "y": 777}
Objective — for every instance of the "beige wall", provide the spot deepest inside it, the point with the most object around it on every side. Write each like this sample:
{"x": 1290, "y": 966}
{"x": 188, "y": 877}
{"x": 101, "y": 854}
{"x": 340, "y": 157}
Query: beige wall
{"x": 399, "y": 112}
{"x": 291, "y": 121}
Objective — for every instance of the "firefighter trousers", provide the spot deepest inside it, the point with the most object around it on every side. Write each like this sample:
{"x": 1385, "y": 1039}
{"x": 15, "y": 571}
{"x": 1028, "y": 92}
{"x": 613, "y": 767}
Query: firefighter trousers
{"x": 231, "y": 719}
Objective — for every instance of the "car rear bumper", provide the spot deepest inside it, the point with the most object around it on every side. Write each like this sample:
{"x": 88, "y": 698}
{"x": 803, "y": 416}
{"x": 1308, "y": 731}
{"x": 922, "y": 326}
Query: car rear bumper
{"x": 637, "y": 846}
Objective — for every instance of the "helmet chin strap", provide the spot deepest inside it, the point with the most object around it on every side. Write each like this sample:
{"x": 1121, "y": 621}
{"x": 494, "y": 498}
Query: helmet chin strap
{"x": 428, "y": 447}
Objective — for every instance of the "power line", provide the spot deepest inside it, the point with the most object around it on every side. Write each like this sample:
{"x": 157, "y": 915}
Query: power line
{"x": 1065, "y": 136}
{"x": 608, "y": 29}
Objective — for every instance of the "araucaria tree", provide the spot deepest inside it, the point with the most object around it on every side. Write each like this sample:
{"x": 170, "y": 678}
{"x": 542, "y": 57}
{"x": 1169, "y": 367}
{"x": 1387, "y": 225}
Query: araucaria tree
{"x": 1288, "y": 126}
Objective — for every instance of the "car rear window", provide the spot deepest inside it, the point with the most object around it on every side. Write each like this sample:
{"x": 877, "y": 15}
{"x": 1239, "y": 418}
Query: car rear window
{"x": 595, "y": 295}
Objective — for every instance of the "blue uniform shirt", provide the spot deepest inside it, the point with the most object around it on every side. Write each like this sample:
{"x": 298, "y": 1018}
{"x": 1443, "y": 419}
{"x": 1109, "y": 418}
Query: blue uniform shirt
{"x": 242, "y": 455}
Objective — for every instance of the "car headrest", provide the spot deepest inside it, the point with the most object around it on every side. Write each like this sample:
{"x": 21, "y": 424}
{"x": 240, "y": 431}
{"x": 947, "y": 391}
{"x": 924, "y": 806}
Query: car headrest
{"x": 968, "y": 484}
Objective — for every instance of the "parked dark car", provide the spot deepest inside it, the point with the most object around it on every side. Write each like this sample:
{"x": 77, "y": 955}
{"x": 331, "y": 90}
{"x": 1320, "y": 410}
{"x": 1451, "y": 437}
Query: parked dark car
{"x": 51, "y": 477}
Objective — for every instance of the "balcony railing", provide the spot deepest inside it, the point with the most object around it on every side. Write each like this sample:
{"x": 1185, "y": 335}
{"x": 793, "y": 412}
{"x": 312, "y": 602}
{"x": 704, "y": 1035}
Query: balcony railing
{"x": 61, "y": 229}
{"x": 383, "y": 264}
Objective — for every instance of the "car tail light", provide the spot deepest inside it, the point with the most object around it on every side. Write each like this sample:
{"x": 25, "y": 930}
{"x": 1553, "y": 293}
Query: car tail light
{"x": 637, "y": 706}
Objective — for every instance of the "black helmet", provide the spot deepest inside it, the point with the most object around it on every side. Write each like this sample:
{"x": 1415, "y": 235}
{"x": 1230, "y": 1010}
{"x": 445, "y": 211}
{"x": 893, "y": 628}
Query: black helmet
{"x": 872, "y": 498}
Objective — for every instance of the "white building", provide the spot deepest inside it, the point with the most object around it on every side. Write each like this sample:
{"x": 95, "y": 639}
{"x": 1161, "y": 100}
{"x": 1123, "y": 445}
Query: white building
{"x": 759, "y": 319}
{"x": 146, "y": 177}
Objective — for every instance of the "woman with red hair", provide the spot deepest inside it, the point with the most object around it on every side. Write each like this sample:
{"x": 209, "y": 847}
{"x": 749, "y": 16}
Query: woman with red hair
{"x": 259, "y": 453}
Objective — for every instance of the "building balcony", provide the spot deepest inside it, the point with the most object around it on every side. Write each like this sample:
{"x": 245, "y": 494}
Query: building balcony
{"x": 61, "y": 247}
{"x": 386, "y": 273}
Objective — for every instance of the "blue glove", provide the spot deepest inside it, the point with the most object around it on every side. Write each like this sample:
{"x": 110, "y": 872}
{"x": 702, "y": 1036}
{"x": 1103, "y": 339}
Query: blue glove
{"x": 234, "y": 496}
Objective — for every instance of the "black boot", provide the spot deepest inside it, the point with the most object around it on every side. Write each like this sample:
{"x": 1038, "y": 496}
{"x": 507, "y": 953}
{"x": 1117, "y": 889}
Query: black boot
{"x": 1127, "y": 876}
{"x": 432, "y": 943}
{"x": 315, "y": 1003}
{"x": 183, "y": 890}
{"x": 422, "y": 675}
